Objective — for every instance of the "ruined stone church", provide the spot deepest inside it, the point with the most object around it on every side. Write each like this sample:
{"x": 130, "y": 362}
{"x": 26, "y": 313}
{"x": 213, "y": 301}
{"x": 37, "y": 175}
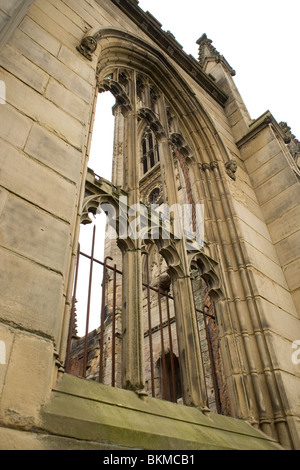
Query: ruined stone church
{"x": 197, "y": 346}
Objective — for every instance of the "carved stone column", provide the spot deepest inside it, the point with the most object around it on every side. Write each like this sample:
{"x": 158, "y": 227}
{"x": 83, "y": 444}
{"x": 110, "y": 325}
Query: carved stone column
{"x": 194, "y": 391}
{"x": 175, "y": 253}
{"x": 133, "y": 348}
{"x": 132, "y": 327}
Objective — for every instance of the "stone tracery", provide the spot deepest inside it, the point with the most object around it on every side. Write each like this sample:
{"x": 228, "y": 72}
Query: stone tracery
{"x": 155, "y": 111}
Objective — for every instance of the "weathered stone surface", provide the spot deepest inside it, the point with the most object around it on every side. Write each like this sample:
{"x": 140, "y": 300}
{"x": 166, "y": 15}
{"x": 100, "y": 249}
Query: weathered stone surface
{"x": 67, "y": 100}
{"x": 250, "y": 260}
{"x": 40, "y": 36}
{"x": 115, "y": 416}
{"x": 24, "y": 69}
{"x": 38, "y": 108}
{"x": 34, "y": 298}
{"x": 54, "y": 152}
{"x": 38, "y": 229}
{"x": 20, "y": 402}
{"x": 36, "y": 183}
{"x": 14, "y": 126}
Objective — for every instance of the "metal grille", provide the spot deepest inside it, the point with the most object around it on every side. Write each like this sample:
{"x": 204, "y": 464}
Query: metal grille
{"x": 96, "y": 355}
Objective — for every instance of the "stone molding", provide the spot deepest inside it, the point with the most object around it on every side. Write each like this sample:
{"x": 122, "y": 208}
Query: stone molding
{"x": 207, "y": 51}
{"x": 14, "y": 22}
{"x": 162, "y": 39}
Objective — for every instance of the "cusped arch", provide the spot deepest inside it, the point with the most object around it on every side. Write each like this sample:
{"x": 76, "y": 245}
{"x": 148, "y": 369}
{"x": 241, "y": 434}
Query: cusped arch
{"x": 127, "y": 50}
{"x": 206, "y": 267}
{"x": 118, "y": 91}
{"x": 152, "y": 121}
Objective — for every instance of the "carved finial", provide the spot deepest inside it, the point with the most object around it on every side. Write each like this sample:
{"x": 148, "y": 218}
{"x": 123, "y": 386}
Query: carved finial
{"x": 287, "y": 132}
{"x": 292, "y": 143}
{"x": 87, "y": 46}
{"x": 208, "y": 51}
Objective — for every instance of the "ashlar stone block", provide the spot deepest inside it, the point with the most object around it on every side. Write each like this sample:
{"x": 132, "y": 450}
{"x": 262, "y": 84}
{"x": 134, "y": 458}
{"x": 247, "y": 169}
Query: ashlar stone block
{"x": 285, "y": 225}
{"x": 26, "y": 387}
{"x": 262, "y": 155}
{"x": 21, "y": 67}
{"x": 36, "y": 183}
{"x": 281, "y": 203}
{"x": 38, "y": 108}
{"x": 292, "y": 274}
{"x": 34, "y": 234}
{"x": 14, "y": 126}
{"x": 40, "y": 36}
{"x": 289, "y": 249}
{"x": 76, "y": 63}
{"x": 265, "y": 265}
{"x": 53, "y": 66}
{"x": 34, "y": 299}
{"x": 6, "y": 341}
{"x": 67, "y": 101}
{"x": 54, "y": 152}
{"x": 269, "y": 169}
{"x": 275, "y": 185}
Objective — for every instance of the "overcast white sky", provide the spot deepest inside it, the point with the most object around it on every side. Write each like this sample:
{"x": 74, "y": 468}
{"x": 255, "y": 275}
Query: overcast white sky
{"x": 259, "y": 38}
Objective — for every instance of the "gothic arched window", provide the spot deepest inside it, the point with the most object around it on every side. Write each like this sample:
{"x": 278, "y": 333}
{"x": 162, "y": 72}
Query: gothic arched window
{"x": 149, "y": 150}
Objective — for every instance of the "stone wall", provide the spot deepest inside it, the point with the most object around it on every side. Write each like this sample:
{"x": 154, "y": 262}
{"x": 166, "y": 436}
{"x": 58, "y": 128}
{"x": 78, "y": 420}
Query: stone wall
{"x": 251, "y": 258}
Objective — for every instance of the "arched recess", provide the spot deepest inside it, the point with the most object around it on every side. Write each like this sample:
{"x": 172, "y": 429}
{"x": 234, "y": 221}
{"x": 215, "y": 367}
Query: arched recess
{"x": 208, "y": 295}
{"x": 187, "y": 111}
{"x": 254, "y": 389}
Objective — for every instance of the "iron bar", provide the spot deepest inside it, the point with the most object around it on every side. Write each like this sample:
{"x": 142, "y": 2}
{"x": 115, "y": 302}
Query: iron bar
{"x": 85, "y": 355}
{"x": 174, "y": 391}
{"x": 212, "y": 363}
{"x": 167, "y": 388}
{"x": 150, "y": 328}
{"x": 200, "y": 342}
{"x": 72, "y": 316}
{"x": 164, "y": 369}
{"x": 113, "y": 338}
{"x": 102, "y": 320}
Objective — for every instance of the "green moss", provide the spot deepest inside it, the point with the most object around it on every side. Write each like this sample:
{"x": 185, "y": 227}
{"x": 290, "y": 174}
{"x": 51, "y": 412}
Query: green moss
{"x": 91, "y": 412}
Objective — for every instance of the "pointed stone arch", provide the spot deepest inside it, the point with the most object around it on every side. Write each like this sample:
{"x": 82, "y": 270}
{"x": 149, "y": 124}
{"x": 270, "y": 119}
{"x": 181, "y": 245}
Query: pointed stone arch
{"x": 117, "y": 49}
{"x": 207, "y": 268}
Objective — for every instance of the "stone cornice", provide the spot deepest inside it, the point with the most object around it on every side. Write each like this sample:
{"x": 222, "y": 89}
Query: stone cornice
{"x": 166, "y": 41}
{"x": 16, "y": 18}
{"x": 256, "y": 126}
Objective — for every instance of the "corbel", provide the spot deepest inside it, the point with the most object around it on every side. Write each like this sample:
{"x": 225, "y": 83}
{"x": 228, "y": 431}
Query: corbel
{"x": 88, "y": 44}
{"x": 231, "y": 168}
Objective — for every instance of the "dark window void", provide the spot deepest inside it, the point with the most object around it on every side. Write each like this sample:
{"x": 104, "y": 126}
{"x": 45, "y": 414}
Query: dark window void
{"x": 149, "y": 150}
{"x": 169, "y": 371}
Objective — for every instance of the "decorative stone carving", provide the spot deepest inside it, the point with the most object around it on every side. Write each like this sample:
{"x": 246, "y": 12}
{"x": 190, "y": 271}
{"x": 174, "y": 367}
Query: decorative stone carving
{"x": 177, "y": 141}
{"x": 87, "y": 47}
{"x": 231, "y": 168}
{"x": 288, "y": 136}
{"x": 214, "y": 165}
{"x": 207, "y": 50}
{"x": 150, "y": 117}
{"x": 292, "y": 143}
{"x": 205, "y": 166}
{"x": 155, "y": 194}
{"x": 119, "y": 93}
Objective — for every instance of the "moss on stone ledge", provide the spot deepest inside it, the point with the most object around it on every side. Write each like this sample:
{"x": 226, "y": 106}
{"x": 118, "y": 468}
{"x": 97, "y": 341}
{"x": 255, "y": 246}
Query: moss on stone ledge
{"x": 89, "y": 412}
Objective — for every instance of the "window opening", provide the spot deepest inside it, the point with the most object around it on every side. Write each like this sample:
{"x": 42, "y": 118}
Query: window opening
{"x": 149, "y": 150}
{"x": 98, "y": 301}
{"x": 101, "y": 153}
{"x": 100, "y": 161}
